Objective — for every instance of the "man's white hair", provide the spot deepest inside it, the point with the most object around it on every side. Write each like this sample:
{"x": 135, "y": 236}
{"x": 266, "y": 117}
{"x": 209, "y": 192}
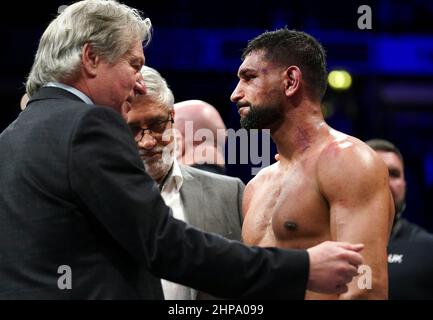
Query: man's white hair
{"x": 157, "y": 88}
{"x": 109, "y": 27}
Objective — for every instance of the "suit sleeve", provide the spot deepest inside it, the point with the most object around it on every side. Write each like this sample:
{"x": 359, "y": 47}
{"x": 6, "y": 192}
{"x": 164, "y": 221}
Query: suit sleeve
{"x": 109, "y": 181}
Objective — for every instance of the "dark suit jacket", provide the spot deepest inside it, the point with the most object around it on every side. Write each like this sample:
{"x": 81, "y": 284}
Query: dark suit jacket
{"x": 213, "y": 203}
{"x": 73, "y": 191}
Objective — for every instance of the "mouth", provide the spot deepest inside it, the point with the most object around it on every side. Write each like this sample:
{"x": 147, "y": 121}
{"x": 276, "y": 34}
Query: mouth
{"x": 243, "y": 110}
{"x": 129, "y": 99}
{"x": 150, "y": 156}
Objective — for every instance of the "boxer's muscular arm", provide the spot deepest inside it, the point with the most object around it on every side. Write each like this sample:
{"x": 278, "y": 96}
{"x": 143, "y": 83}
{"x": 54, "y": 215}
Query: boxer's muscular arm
{"x": 355, "y": 183}
{"x": 248, "y": 193}
{"x": 250, "y": 235}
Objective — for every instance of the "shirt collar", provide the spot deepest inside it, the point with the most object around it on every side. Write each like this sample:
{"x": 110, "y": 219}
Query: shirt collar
{"x": 72, "y": 90}
{"x": 174, "y": 177}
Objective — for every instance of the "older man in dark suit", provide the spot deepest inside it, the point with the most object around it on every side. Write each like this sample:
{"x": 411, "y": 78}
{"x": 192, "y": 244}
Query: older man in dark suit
{"x": 75, "y": 197}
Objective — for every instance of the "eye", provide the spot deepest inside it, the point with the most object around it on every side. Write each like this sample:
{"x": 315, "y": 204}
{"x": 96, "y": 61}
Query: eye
{"x": 135, "y": 63}
{"x": 158, "y": 126}
{"x": 134, "y": 129}
{"x": 249, "y": 77}
{"x": 394, "y": 173}
{"x": 136, "y": 66}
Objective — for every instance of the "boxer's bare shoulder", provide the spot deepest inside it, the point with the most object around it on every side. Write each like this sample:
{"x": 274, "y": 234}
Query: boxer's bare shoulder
{"x": 354, "y": 182}
{"x": 347, "y": 166}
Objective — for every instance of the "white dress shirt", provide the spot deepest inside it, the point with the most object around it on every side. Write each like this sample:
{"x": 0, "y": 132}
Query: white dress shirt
{"x": 170, "y": 192}
{"x": 72, "y": 90}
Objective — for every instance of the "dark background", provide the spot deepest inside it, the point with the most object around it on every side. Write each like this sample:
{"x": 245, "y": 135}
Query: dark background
{"x": 197, "y": 47}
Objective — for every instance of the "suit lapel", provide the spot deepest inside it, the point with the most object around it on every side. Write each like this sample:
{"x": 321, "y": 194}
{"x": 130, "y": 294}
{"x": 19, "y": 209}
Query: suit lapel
{"x": 191, "y": 194}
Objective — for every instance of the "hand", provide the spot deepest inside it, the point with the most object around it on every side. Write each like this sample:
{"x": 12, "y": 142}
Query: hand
{"x": 332, "y": 266}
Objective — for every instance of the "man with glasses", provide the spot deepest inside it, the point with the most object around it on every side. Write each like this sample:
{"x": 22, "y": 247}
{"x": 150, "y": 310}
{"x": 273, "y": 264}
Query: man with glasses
{"x": 205, "y": 200}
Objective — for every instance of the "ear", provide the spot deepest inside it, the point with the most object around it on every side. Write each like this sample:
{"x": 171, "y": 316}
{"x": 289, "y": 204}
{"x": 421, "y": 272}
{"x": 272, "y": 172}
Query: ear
{"x": 89, "y": 60}
{"x": 292, "y": 82}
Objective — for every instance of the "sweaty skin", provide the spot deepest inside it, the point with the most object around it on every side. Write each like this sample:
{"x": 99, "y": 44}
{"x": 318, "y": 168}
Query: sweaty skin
{"x": 319, "y": 197}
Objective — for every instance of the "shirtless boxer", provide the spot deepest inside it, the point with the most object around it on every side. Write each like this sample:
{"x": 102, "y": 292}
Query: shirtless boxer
{"x": 327, "y": 185}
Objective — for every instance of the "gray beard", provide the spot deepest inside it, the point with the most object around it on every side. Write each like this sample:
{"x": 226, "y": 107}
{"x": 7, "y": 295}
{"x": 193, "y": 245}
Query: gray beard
{"x": 161, "y": 166}
{"x": 261, "y": 117}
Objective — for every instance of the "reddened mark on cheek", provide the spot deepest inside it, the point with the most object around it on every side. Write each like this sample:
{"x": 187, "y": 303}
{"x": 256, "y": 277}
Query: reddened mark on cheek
{"x": 264, "y": 71}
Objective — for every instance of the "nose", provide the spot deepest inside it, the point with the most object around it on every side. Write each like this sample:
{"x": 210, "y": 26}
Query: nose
{"x": 236, "y": 94}
{"x": 140, "y": 87}
{"x": 147, "y": 142}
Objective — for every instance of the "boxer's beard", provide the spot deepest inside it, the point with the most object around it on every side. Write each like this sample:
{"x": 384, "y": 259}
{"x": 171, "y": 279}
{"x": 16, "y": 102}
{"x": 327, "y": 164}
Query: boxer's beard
{"x": 261, "y": 117}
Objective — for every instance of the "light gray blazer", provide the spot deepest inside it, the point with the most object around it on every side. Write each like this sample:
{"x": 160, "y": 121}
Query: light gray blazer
{"x": 212, "y": 202}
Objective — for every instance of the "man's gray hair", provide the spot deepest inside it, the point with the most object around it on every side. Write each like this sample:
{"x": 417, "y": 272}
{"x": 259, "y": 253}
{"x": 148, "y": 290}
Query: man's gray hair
{"x": 109, "y": 27}
{"x": 157, "y": 88}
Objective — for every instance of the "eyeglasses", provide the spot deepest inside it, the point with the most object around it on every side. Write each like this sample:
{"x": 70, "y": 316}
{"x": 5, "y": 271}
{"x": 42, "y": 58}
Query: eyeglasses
{"x": 156, "y": 129}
